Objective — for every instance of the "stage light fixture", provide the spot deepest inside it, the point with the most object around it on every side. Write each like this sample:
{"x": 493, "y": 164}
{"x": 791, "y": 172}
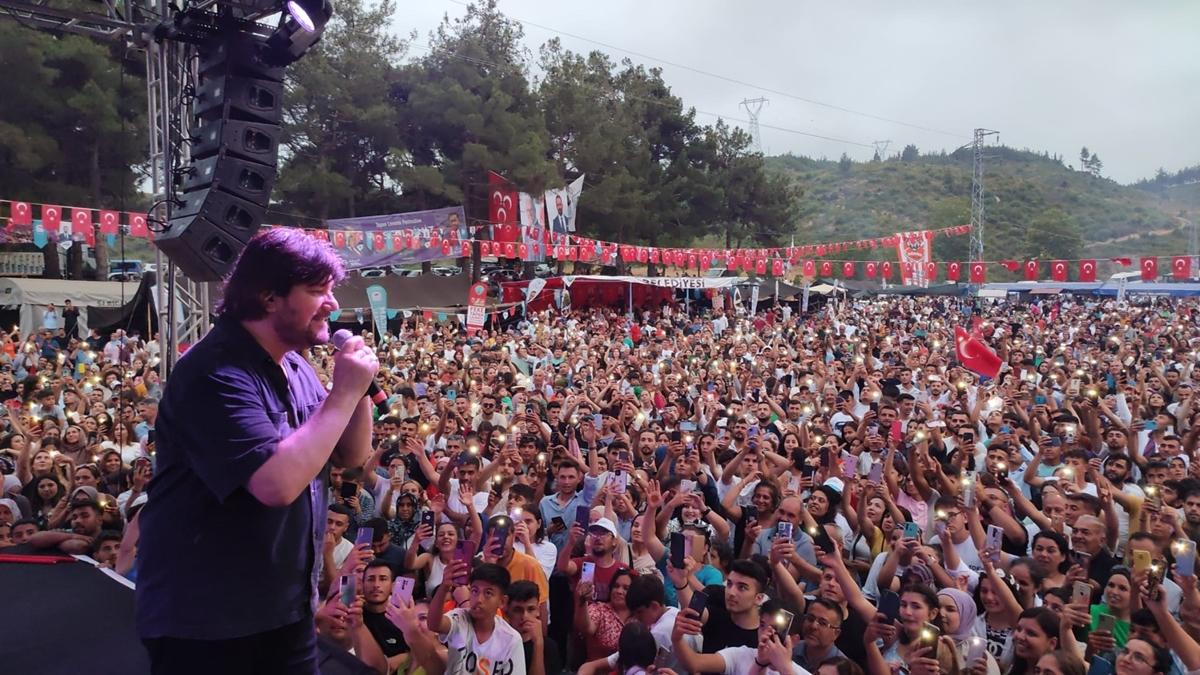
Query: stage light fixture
{"x": 300, "y": 27}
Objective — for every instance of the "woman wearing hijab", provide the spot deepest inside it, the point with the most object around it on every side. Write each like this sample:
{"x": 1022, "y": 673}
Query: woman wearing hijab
{"x": 958, "y": 612}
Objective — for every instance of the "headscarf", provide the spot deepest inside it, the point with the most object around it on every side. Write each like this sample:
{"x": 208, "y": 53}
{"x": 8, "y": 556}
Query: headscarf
{"x": 13, "y": 508}
{"x": 966, "y": 612}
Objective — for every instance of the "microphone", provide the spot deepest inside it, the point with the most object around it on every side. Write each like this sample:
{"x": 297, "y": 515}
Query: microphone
{"x": 377, "y": 395}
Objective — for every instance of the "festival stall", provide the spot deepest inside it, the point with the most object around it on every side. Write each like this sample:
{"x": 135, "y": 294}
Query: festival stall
{"x": 31, "y": 296}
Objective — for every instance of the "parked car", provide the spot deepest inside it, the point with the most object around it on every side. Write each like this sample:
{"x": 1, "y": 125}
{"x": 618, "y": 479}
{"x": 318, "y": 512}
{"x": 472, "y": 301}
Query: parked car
{"x": 543, "y": 270}
{"x": 447, "y": 271}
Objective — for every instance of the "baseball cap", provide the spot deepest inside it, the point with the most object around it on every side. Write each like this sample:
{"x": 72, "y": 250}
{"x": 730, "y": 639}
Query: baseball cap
{"x": 606, "y": 525}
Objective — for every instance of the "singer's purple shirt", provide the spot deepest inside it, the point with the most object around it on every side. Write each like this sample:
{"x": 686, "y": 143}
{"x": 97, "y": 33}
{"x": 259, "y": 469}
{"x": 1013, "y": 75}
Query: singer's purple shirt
{"x": 214, "y": 562}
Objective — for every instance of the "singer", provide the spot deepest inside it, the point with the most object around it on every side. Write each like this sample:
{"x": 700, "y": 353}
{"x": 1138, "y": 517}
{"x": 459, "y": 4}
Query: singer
{"x": 231, "y": 535}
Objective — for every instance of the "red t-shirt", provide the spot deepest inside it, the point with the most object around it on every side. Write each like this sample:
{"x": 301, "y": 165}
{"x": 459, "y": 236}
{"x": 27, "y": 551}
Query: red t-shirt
{"x": 603, "y": 578}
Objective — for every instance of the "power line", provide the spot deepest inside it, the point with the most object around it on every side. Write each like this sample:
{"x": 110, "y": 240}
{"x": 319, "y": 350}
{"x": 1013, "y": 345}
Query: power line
{"x": 833, "y": 139}
{"x": 726, "y": 78}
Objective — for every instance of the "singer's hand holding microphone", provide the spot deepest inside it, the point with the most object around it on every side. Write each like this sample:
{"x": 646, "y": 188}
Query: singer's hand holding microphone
{"x": 354, "y": 365}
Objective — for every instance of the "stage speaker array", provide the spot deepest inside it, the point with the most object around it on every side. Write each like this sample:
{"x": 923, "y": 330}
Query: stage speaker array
{"x": 227, "y": 187}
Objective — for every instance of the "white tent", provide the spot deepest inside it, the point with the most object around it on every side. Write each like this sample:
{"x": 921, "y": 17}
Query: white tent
{"x": 31, "y": 296}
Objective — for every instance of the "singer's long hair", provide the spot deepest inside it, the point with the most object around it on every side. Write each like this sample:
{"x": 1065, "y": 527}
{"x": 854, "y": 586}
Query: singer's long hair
{"x": 275, "y": 261}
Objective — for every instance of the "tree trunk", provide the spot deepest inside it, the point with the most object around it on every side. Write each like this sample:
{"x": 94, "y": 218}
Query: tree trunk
{"x": 75, "y": 261}
{"x": 101, "y": 251}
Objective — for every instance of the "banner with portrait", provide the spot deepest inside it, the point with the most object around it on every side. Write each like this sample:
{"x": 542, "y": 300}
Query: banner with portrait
{"x": 914, "y": 250}
{"x": 399, "y": 238}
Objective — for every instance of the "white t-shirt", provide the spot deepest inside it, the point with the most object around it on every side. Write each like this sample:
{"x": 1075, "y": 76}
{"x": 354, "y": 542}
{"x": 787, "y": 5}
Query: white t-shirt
{"x": 740, "y": 660}
{"x": 341, "y": 552}
{"x": 455, "y": 504}
{"x": 504, "y": 651}
{"x": 661, "y": 630}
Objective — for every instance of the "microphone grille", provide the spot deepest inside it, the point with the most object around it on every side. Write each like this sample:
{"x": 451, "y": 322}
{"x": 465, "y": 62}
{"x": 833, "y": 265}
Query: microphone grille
{"x": 339, "y": 337}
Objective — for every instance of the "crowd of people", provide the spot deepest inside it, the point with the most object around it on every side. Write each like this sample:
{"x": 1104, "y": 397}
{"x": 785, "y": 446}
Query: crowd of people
{"x": 707, "y": 491}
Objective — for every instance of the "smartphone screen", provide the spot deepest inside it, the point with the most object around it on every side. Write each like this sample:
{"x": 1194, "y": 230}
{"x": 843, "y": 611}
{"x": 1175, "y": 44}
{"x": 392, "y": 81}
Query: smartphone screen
{"x": 349, "y": 490}
{"x": 427, "y": 518}
{"x": 850, "y": 467}
{"x": 598, "y": 421}
{"x": 698, "y": 602}
{"x": 349, "y": 589}
{"x": 677, "y": 550}
{"x": 911, "y": 531}
{"x": 781, "y": 621}
{"x": 588, "y": 573}
{"x": 929, "y": 635}
{"x": 365, "y": 536}
{"x": 1185, "y": 557}
{"x": 784, "y": 531}
{"x": 889, "y": 605}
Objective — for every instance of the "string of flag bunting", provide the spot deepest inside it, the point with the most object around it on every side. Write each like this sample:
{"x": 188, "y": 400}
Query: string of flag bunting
{"x": 80, "y": 224}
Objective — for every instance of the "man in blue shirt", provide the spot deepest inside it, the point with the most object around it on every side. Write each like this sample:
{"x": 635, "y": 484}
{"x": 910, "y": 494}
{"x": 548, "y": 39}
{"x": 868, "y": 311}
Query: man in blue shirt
{"x": 232, "y": 532}
{"x": 561, "y": 505}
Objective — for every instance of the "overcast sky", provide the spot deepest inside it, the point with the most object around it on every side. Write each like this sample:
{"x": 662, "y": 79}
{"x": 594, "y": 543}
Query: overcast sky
{"x": 1122, "y": 78}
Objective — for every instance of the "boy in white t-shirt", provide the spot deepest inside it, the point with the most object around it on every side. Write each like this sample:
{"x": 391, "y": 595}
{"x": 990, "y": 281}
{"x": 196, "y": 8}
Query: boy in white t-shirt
{"x": 772, "y": 657}
{"x": 477, "y": 639}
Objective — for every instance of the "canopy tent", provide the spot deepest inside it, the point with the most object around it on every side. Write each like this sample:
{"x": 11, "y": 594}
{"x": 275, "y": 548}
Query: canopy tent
{"x": 31, "y": 296}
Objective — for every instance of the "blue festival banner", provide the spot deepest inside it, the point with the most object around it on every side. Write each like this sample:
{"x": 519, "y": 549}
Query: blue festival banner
{"x": 399, "y": 238}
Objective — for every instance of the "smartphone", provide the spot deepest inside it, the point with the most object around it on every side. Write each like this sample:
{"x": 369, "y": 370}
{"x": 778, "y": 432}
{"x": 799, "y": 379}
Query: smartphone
{"x": 1185, "y": 557}
{"x": 1080, "y": 558}
{"x": 402, "y": 589}
{"x": 1106, "y": 622}
{"x": 624, "y": 456}
{"x": 583, "y": 515}
{"x": 464, "y": 551}
{"x": 427, "y": 518}
{"x": 1155, "y": 575}
{"x": 821, "y": 539}
{"x": 995, "y": 539}
{"x": 783, "y": 530}
{"x": 1005, "y": 429}
{"x": 698, "y": 602}
{"x": 1141, "y": 561}
{"x": 976, "y": 649}
{"x": 451, "y": 394}
{"x": 781, "y": 621}
{"x": 557, "y": 520}
{"x": 1151, "y": 425}
{"x": 968, "y": 489}
{"x": 365, "y": 536}
{"x": 501, "y": 529}
{"x": 677, "y": 550}
{"x": 420, "y": 389}
{"x": 876, "y": 474}
{"x": 676, "y": 437}
{"x": 889, "y": 605}
{"x": 850, "y": 467}
{"x": 619, "y": 481}
{"x": 598, "y": 421}
{"x": 911, "y": 531}
{"x": 588, "y": 573}
{"x": 529, "y": 409}
{"x": 896, "y": 433}
{"x": 928, "y": 635}
{"x": 808, "y": 471}
{"x": 1039, "y": 400}
{"x": 349, "y": 589}
{"x": 349, "y": 490}
{"x": 752, "y": 432}
{"x": 1081, "y": 593}
{"x": 751, "y": 512}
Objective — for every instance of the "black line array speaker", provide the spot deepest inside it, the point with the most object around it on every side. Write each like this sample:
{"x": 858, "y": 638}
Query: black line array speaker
{"x": 234, "y": 146}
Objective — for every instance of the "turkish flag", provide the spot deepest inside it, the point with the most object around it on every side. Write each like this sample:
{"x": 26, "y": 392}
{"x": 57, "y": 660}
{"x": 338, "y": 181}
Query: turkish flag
{"x": 572, "y": 253}
{"x": 847, "y": 270}
{"x": 1149, "y": 267}
{"x": 885, "y": 271}
{"x": 1010, "y": 265}
{"x": 1123, "y": 262}
{"x": 448, "y": 248}
{"x": 21, "y": 213}
{"x": 523, "y": 251}
{"x": 810, "y": 268}
{"x": 81, "y": 221}
{"x": 1087, "y": 270}
{"x": 1058, "y": 270}
{"x": 435, "y": 239}
{"x": 930, "y": 271}
{"x": 954, "y": 271}
{"x": 906, "y": 272}
{"x": 485, "y": 249}
{"x": 465, "y": 249}
{"x": 378, "y": 243}
{"x": 871, "y": 270}
{"x": 339, "y": 239}
{"x": 1032, "y": 268}
{"x": 643, "y": 255}
{"x": 826, "y": 268}
{"x": 732, "y": 265}
{"x": 397, "y": 241}
{"x": 777, "y": 267}
{"x": 978, "y": 273}
{"x": 1181, "y": 267}
{"x": 137, "y": 225}
{"x": 109, "y": 222}
{"x": 974, "y": 355}
{"x": 760, "y": 266}
{"x": 693, "y": 261}
{"x": 510, "y": 249}
{"x": 51, "y": 217}
{"x": 323, "y": 235}
{"x": 411, "y": 242}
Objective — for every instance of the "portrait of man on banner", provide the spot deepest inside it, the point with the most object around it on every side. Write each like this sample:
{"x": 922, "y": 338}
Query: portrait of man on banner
{"x": 455, "y": 228}
{"x": 557, "y": 204}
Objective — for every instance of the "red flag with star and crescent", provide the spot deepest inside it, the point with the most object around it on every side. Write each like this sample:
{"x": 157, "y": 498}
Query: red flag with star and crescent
{"x": 1087, "y": 270}
{"x": 871, "y": 270}
{"x": 1181, "y": 267}
{"x": 1058, "y": 270}
{"x": 1032, "y": 268}
{"x": 978, "y": 273}
{"x": 21, "y": 213}
{"x": 954, "y": 271}
{"x": 974, "y": 355}
{"x": 1149, "y": 267}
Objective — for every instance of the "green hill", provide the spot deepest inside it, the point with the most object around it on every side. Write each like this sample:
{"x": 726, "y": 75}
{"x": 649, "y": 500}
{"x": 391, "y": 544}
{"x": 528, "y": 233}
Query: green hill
{"x": 1035, "y": 205}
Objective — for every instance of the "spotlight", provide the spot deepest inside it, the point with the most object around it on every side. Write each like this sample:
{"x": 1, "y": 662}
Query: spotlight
{"x": 299, "y": 29}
